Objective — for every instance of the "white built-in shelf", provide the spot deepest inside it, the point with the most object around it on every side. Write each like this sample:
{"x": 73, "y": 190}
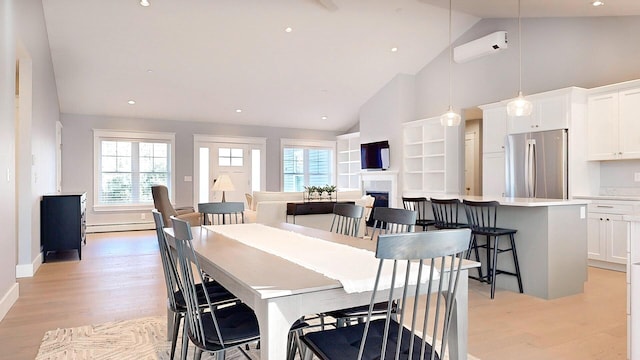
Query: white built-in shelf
{"x": 424, "y": 159}
{"x": 348, "y": 151}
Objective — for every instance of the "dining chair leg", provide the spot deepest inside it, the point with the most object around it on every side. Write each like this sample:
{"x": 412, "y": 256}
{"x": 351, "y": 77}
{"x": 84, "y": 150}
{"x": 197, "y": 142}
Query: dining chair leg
{"x": 219, "y": 355}
{"x": 197, "y": 354}
{"x": 177, "y": 318}
{"x": 185, "y": 343}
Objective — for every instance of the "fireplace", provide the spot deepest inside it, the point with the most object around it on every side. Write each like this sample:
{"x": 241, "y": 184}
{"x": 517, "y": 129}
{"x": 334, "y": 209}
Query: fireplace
{"x": 381, "y": 200}
{"x": 381, "y": 182}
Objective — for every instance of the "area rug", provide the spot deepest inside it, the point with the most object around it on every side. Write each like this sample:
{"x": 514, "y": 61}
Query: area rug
{"x": 143, "y": 338}
{"x": 137, "y": 339}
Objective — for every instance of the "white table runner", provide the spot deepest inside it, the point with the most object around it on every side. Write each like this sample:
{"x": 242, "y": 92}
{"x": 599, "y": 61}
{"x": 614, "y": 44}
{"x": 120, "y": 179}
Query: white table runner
{"x": 355, "y": 268}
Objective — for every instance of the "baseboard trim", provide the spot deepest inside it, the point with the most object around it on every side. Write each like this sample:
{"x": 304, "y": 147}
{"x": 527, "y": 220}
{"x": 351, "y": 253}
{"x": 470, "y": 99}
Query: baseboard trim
{"x": 28, "y": 270}
{"x": 99, "y": 228}
{"x": 9, "y": 298}
{"x": 607, "y": 265}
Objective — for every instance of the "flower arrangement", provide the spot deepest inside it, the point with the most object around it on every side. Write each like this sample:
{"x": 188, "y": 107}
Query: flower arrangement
{"x": 326, "y": 192}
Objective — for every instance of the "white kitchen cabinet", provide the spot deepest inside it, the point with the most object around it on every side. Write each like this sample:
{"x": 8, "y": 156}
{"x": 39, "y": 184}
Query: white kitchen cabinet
{"x": 613, "y": 125}
{"x": 607, "y": 238}
{"x": 494, "y": 129}
{"x": 348, "y": 161}
{"x": 607, "y": 233}
{"x": 629, "y": 114}
{"x": 493, "y": 174}
{"x": 549, "y": 113}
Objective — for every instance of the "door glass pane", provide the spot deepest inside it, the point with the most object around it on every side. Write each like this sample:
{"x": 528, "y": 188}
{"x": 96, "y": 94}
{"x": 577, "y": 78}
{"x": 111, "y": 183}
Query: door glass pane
{"x": 203, "y": 188}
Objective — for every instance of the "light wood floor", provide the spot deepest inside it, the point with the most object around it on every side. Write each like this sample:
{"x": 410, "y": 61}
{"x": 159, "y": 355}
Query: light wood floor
{"x": 120, "y": 277}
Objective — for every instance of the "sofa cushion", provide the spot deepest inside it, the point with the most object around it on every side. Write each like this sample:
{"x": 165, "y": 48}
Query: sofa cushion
{"x": 260, "y": 196}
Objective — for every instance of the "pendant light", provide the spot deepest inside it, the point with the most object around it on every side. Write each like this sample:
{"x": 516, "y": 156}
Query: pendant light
{"x": 450, "y": 118}
{"x": 519, "y": 106}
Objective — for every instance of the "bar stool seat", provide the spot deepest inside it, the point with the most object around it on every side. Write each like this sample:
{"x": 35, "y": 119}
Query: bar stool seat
{"x": 482, "y": 217}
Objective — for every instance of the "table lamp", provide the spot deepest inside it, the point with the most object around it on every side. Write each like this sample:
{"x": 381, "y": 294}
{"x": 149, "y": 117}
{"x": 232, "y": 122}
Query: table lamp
{"x": 223, "y": 183}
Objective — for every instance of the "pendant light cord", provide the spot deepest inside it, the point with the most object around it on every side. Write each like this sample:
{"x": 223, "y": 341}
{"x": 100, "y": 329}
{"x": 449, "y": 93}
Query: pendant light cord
{"x": 450, "y": 60}
{"x": 519, "y": 51}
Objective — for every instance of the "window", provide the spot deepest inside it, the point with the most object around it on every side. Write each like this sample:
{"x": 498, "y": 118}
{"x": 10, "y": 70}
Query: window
{"x": 127, "y": 165}
{"x": 307, "y": 163}
{"x": 230, "y": 157}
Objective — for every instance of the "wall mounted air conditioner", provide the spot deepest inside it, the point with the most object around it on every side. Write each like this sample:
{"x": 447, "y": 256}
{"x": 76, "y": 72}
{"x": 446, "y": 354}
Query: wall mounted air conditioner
{"x": 486, "y": 45}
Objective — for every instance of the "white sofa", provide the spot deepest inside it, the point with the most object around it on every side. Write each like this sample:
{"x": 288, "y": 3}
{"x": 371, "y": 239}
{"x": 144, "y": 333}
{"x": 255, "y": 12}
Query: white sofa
{"x": 270, "y": 207}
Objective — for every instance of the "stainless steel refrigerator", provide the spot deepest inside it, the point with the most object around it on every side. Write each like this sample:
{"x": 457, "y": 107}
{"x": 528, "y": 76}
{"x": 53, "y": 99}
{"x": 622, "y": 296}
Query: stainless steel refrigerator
{"x": 536, "y": 165}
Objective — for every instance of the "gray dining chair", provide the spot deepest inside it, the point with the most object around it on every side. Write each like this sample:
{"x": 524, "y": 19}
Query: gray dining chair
{"x": 429, "y": 317}
{"x": 386, "y": 221}
{"x": 208, "y": 328}
{"x": 176, "y": 305}
{"x": 347, "y": 219}
{"x": 220, "y": 213}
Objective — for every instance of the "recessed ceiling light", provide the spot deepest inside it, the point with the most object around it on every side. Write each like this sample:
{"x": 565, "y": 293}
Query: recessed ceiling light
{"x": 324, "y": 118}
{"x": 288, "y": 29}
{"x": 149, "y": 71}
{"x": 394, "y": 49}
{"x": 144, "y": 3}
{"x": 238, "y": 110}
{"x": 597, "y": 3}
{"x": 131, "y": 102}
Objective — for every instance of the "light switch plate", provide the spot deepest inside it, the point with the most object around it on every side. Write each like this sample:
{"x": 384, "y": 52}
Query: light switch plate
{"x": 188, "y": 178}
{"x": 636, "y": 176}
{"x": 583, "y": 212}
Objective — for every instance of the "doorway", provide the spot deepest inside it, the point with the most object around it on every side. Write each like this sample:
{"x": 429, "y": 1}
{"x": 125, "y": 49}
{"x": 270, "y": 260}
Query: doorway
{"x": 242, "y": 159}
{"x": 473, "y": 151}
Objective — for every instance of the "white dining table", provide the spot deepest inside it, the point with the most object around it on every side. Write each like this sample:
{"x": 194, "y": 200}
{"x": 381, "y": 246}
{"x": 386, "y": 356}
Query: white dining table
{"x": 281, "y": 292}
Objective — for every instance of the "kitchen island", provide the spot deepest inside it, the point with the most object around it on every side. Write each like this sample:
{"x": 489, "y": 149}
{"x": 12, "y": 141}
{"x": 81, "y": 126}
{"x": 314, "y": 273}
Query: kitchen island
{"x": 551, "y": 243}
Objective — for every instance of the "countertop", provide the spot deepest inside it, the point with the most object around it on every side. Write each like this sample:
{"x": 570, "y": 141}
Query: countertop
{"x": 608, "y": 197}
{"x": 523, "y": 202}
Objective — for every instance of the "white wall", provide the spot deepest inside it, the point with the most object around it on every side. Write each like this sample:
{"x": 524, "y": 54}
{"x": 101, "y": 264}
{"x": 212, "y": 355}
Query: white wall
{"x": 557, "y": 53}
{"x": 77, "y": 154}
{"x": 24, "y": 41}
{"x": 8, "y": 255}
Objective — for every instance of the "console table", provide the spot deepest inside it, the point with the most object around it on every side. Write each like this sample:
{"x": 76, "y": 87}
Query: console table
{"x": 312, "y": 208}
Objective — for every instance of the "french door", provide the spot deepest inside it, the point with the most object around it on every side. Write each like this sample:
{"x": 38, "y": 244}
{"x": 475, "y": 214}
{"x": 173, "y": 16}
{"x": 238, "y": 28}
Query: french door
{"x": 241, "y": 159}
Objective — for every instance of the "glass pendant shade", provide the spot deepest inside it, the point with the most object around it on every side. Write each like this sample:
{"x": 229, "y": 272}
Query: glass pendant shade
{"x": 450, "y": 118}
{"x": 519, "y": 106}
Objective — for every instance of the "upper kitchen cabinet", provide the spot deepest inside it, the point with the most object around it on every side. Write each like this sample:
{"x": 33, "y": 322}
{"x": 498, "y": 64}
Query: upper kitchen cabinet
{"x": 550, "y": 112}
{"x": 494, "y": 128}
{"x": 348, "y": 161}
{"x": 614, "y": 122}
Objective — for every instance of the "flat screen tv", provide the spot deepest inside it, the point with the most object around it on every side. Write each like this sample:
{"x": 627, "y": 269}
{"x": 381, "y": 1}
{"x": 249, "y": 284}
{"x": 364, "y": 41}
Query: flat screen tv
{"x": 374, "y": 155}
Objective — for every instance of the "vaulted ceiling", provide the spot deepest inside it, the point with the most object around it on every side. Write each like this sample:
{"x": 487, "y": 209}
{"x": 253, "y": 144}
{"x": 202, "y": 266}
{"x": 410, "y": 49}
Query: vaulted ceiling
{"x": 233, "y": 61}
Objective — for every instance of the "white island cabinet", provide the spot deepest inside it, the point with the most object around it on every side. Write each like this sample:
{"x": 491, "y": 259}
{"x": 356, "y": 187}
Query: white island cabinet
{"x": 633, "y": 287}
{"x": 551, "y": 243}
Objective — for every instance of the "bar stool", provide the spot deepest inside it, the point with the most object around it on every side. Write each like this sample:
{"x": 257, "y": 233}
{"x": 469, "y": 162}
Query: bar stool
{"x": 482, "y": 217}
{"x": 445, "y": 212}
{"x": 419, "y": 205}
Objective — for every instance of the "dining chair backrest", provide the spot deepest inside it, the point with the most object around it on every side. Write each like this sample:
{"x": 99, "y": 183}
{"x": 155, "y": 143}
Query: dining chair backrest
{"x": 168, "y": 262}
{"x": 445, "y": 212}
{"x": 440, "y": 252}
{"x": 391, "y": 221}
{"x": 187, "y": 261}
{"x": 218, "y": 213}
{"x": 481, "y": 214}
{"x": 347, "y": 219}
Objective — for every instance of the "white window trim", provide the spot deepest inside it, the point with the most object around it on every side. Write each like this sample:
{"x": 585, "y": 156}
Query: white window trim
{"x": 99, "y": 134}
{"x": 307, "y": 143}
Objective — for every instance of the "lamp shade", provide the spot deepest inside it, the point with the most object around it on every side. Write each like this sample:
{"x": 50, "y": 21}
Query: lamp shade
{"x": 223, "y": 183}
